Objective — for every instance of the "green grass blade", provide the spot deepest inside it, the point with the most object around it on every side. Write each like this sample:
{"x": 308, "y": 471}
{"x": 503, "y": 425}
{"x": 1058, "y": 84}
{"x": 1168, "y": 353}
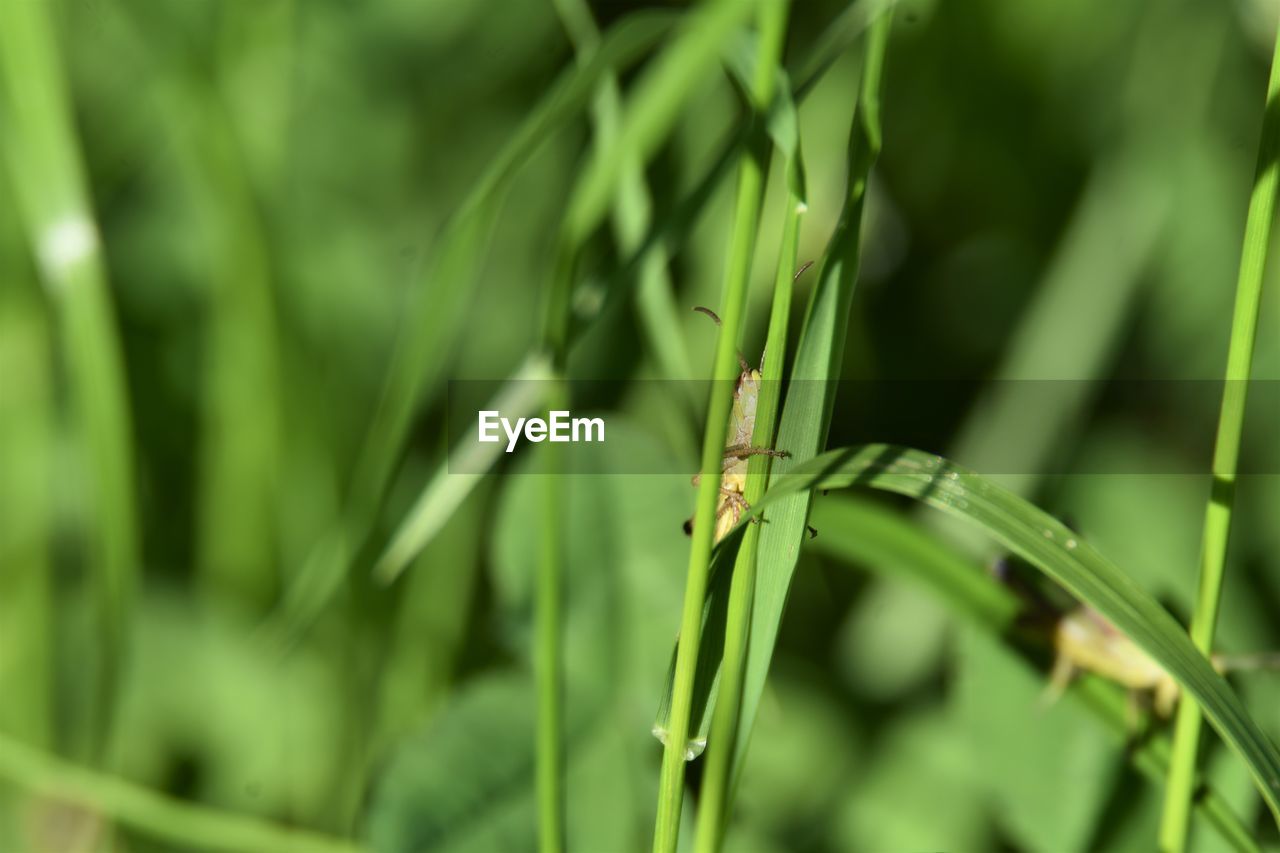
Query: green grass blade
{"x": 646, "y": 264}
{"x": 437, "y": 306}
{"x": 185, "y": 824}
{"x": 39, "y": 142}
{"x": 717, "y": 782}
{"x": 26, "y": 516}
{"x": 240, "y": 433}
{"x": 434, "y": 317}
{"x": 807, "y": 411}
{"x": 1043, "y": 541}
{"x": 548, "y": 654}
{"x": 520, "y": 396}
{"x": 742, "y": 241}
{"x": 1226, "y": 453}
{"x": 632, "y": 209}
{"x": 652, "y": 110}
{"x": 859, "y": 530}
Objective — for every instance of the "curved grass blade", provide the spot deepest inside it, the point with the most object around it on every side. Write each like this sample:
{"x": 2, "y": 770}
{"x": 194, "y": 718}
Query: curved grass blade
{"x": 860, "y": 530}
{"x": 1046, "y": 543}
{"x": 660, "y": 240}
{"x": 433, "y": 318}
{"x": 437, "y": 305}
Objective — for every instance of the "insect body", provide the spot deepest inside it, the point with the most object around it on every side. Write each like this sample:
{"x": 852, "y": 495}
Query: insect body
{"x": 1086, "y": 640}
{"x": 738, "y": 449}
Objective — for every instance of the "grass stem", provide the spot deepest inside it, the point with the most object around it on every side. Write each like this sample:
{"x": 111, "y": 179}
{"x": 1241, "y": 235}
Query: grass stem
{"x": 718, "y": 779}
{"x": 1218, "y": 513}
{"x": 772, "y": 18}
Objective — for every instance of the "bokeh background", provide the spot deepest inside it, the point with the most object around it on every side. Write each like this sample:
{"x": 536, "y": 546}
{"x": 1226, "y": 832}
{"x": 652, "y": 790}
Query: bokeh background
{"x": 1061, "y": 195}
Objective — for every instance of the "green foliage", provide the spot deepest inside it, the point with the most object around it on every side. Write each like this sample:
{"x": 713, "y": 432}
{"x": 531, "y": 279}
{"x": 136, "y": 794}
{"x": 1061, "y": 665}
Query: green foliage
{"x": 259, "y": 592}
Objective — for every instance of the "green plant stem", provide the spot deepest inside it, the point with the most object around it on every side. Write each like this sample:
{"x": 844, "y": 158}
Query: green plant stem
{"x": 548, "y": 661}
{"x": 41, "y": 147}
{"x": 741, "y": 247}
{"x": 1217, "y": 520}
{"x": 718, "y": 779}
{"x": 549, "y": 669}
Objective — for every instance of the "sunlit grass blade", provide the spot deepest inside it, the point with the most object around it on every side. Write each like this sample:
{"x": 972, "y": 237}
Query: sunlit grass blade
{"x": 1046, "y": 543}
{"x": 39, "y": 143}
{"x": 806, "y": 411}
{"x": 751, "y": 172}
{"x": 860, "y": 530}
{"x": 438, "y": 304}
{"x": 154, "y": 814}
{"x": 1226, "y": 453}
{"x": 718, "y": 783}
{"x": 519, "y": 397}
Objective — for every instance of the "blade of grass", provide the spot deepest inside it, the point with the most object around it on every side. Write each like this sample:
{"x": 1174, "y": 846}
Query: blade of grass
{"x": 152, "y": 813}
{"x": 632, "y": 208}
{"x": 40, "y": 144}
{"x": 240, "y": 435}
{"x": 652, "y": 110}
{"x": 772, "y": 20}
{"x": 435, "y": 314}
{"x": 26, "y": 516}
{"x": 1226, "y": 454}
{"x": 548, "y": 659}
{"x": 717, "y": 782}
{"x": 1046, "y": 543}
{"x": 439, "y": 302}
{"x": 806, "y": 413}
{"x": 662, "y": 239}
{"x": 448, "y": 487}
{"x": 859, "y": 530}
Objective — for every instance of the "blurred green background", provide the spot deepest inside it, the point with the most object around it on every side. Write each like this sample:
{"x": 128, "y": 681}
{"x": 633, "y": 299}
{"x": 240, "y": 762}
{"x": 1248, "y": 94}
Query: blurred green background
{"x": 1061, "y": 195}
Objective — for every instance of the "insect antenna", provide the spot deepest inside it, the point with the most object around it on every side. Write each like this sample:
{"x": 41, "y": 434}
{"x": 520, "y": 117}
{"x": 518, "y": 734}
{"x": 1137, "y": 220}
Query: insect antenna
{"x": 742, "y": 362}
{"x": 708, "y": 312}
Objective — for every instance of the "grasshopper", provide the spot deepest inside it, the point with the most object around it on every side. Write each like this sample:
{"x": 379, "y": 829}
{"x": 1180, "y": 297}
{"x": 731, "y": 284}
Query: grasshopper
{"x": 1086, "y": 640}
{"x": 738, "y": 449}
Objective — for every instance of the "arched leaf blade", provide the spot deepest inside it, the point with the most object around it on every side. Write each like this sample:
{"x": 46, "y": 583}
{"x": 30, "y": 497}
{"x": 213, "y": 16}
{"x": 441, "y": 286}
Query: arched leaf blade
{"x": 1046, "y": 543}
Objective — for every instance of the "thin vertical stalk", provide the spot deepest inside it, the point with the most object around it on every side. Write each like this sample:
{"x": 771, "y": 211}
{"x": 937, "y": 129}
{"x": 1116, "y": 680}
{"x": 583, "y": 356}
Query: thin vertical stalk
{"x": 1217, "y": 520}
{"x": 548, "y": 660}
{"x": 548, "y": 666}
{"x": 42, "y": 150}
{"x": 717, "y": 781}
{"x": 772, "y": 17}
{"x": 26, "y": 515}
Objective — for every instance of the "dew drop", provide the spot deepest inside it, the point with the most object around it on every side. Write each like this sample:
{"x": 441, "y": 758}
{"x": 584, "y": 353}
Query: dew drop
{"x": 1071, "y": 544}
{"x": 1048, "y": 534}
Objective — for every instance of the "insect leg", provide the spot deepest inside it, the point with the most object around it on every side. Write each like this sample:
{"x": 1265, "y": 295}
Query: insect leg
{"x": 742, "y": 451}
{"x": 1063, "y": 671}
